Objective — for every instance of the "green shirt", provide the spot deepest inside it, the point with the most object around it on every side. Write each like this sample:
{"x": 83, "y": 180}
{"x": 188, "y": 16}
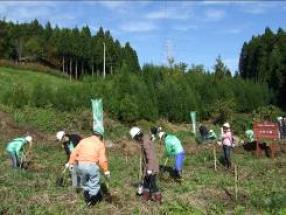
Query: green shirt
{"x": 16, "y": 146}
{"x": 250, "y": 135}
{"x": 173, "y": 145}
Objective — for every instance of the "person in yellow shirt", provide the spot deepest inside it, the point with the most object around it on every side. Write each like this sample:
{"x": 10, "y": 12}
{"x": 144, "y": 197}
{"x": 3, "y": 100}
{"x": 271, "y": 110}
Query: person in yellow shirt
{"x": 88, "y": 157}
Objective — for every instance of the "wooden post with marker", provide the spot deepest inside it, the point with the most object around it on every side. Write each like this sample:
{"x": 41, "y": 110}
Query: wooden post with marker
{"x": 236, "y": 181}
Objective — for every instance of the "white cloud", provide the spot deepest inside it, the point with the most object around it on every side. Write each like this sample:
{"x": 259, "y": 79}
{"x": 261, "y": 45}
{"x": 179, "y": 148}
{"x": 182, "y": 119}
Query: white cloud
{"x": 185, "y": 27}
{"x": 214, "y": 15}
{"x": 112, "y": 5}
{"x": 137, "y": 27}
{"x": 211, "y": 3}
{"x": 257, "y": 8}
{"x": 169, "y": 14}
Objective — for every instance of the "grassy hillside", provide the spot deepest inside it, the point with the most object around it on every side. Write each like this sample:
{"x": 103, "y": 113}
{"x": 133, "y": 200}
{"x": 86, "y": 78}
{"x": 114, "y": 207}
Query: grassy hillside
{"x": 261, "y": 187}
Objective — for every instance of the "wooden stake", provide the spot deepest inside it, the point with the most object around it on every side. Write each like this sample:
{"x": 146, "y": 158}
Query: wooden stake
{"x": 166, "y": 161}
{"x": 215, "y": 160}
{"x": 140, "y": 167}
{"x": 236, "y": 181}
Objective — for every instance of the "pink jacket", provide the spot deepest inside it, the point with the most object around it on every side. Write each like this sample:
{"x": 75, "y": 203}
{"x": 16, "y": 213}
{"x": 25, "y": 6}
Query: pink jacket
{"x": 227, "y": 138}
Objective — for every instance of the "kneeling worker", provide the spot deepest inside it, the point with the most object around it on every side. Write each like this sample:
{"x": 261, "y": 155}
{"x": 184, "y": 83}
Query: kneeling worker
{"x": 88, "y": 156}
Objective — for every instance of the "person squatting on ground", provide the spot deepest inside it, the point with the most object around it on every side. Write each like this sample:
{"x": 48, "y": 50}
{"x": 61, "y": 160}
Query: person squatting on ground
{"x": 86, "y": 158}
{"x": 150, "y": 165}
{"x": 69, "y": 142}
{"x": 174, "y": 148}
{"x": 15, "y": 149}
{"x": 227, "y": 142}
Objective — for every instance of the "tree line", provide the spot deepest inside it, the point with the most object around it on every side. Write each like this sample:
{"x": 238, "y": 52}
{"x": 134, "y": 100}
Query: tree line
{"x": 263, "y": 60}
{"x": 157, "y": 92}
{"x": 74, "y": 51}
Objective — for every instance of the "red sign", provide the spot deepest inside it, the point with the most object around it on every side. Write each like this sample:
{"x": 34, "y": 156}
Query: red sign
{"x": 266, "y": 130}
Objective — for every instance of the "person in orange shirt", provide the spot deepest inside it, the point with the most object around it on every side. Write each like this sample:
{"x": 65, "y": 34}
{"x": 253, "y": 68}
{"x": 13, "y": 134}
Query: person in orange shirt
{"x": 87, "y": 157}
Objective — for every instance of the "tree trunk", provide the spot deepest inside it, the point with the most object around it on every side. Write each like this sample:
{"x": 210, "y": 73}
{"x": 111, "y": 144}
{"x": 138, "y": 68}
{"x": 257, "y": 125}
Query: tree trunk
{"x": 63, "y": 64}
{"x": 92, "y": 70}
{"x": 82, "y": 69}
{"x": 70, "y": 69}
{"x": 76, "y": 69}
{"x": 19, "y": 48}
{"x": 111, "y": 69}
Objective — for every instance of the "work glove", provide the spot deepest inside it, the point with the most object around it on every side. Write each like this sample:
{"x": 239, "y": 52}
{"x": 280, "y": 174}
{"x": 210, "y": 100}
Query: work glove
{"x": 107, "y": 175}
{"x": 149, "y": 172}
{"x": 71, "y": 167}
{"x": 67, "y": 165}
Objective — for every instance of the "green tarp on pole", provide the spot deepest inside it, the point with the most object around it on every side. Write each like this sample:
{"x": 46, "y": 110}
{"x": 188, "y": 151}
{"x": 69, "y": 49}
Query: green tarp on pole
{"x": 97, "y": 115}
{"x": 193, "y": 117}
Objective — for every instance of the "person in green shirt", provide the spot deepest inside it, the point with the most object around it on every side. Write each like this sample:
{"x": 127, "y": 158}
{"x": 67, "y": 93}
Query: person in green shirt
{"x": 15, "y": 149}
{"x": 174, "y": 148}
{"x": 249, "y": 133}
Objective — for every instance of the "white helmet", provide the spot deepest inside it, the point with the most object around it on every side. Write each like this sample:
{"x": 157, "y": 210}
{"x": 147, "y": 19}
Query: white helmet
{"x": 134, "y": 131}
{"x": 161, "y": 134}
{"x": 279, "y": 118}
{"x": 60, "y": 135}
{"x": 29, "y": 139}
{"x": 226, "y": 125}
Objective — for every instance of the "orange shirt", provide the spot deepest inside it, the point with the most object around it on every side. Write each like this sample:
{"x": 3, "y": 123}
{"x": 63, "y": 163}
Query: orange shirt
{"x": 90, "y": 150}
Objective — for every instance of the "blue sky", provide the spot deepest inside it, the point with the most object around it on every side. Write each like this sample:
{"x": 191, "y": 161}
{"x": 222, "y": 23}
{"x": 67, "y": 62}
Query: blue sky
{"x": 195, "y": 31}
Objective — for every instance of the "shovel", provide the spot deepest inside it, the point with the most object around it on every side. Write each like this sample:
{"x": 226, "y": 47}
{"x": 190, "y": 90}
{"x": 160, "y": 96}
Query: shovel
{"x": 60, "y": 180}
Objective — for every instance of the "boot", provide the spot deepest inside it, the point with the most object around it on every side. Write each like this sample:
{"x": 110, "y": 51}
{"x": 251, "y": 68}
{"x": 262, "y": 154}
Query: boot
{"x": 96, "y": 198}
{"x": 178, "y": 176}
{"x": 86, "y": 197}
{"x": 146, "y": 196}
{"x": 158, "y": 197}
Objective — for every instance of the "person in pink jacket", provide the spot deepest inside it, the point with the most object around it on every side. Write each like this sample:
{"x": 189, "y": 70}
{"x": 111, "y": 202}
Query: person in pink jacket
{"x": 227, "y": 141}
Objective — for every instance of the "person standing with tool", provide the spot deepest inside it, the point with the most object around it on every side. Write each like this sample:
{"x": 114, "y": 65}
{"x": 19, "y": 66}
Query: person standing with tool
{"x": 174, "y": 148}
{"x": 150, "y": 165}
{"x": 88, "y": 156}
{"x": 15, "y": 149}
{"x": 69, "y": 142}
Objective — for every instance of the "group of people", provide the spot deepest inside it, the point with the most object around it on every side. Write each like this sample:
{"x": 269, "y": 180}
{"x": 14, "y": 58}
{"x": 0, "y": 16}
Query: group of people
{"x": 86, "y": 159}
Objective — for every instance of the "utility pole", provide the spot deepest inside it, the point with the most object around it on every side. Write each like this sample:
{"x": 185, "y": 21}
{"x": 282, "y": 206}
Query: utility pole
{"x": 103, "y": 59}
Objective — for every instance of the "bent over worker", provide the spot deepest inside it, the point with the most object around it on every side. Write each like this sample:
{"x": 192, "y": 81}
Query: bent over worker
{"x": 15, "y": 149}
{"x": 69, "y": 142}
{"x": 151, "y": 166}
{"x": 87, "y": 157}
{"x": 174, "y": 148}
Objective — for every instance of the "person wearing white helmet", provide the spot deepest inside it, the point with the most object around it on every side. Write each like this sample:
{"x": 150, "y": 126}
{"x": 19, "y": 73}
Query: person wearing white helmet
{"x": 150, "y": 165}
{"x": 227, "y": 143}
{"x": 15, "y": 149}
{"x": 69, "y": 142}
